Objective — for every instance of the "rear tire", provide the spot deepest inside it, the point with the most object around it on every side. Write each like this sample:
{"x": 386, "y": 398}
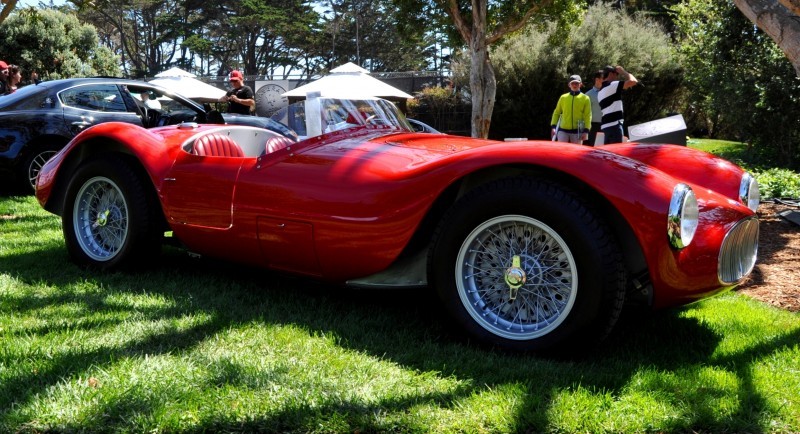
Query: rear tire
{"x": 526, "y": 264}
{"x": 109, "y": 220}
{"x": 33, "y": 165}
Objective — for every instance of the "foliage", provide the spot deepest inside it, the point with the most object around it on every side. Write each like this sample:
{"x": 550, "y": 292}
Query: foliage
{"x": 373, "y": 34}
{"x": 55, "y": 45}
{"x": 205, "y": 346}
{"x": 773, "y": 182}
{"x": 262, "y": 37}
{"x": 148, "y": 34}
{"x": 483, "y": 23}
{"x": 739, "y": 82}
{"x": 444, "y": 108}
{"x": 778, "y": 183}
{"x": 533, "y": 67}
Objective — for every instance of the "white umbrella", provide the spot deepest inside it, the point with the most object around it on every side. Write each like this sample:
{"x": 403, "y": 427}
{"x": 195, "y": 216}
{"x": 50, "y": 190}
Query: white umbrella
{"x": 175, "y": 72}
{"x": 191, "y": 88}
{"x": 350, "y": 81}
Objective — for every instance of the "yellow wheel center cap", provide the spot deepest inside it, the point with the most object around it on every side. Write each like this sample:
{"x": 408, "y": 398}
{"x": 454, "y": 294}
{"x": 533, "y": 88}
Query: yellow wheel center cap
{"x": 515, "y": 277}
{"x": 102, "y": 218}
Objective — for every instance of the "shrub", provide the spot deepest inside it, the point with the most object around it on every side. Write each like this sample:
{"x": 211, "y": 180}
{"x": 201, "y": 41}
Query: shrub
{"x": 738, "y": 80}
{"x": 778, "y": 183}
{"x": 444, "y": 108}
{"x": 532, "y": 69}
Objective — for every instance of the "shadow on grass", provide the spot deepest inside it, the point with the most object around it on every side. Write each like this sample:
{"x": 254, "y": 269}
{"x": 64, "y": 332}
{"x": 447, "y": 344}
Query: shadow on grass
{"x": 406, "y": 327}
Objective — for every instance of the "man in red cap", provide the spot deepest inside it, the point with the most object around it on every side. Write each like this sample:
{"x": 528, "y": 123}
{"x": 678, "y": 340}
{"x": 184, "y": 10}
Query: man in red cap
{"x": 241, "y": 98}
{"x": 3, "y": 77}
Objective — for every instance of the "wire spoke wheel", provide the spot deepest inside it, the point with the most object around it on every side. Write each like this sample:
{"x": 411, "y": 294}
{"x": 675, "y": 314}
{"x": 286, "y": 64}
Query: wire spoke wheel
{"x": 36, "y": 164}
{"x": 100, "y": 219}
{"x": 516, "y": 277}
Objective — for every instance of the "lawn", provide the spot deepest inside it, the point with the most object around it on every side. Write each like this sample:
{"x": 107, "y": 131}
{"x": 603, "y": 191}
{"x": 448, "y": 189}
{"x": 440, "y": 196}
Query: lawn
{"x": 200, "y": 345}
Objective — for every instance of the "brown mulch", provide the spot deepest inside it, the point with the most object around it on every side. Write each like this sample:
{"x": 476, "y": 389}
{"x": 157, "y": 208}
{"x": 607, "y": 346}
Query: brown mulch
{"x": 776, "y": 277}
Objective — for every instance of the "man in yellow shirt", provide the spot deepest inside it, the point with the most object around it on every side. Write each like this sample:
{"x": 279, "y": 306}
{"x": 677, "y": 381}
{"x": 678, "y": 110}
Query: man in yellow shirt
{"x": 573, "y": 114}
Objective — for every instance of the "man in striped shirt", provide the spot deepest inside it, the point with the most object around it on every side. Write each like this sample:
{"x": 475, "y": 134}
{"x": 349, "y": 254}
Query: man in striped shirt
{"x": 610, "y": 97}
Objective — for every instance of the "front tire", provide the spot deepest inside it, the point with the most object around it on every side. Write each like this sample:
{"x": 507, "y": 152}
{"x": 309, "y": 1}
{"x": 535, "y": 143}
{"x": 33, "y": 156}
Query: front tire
{"x": 108, "y": 220}
{"x": 526, "y": 264}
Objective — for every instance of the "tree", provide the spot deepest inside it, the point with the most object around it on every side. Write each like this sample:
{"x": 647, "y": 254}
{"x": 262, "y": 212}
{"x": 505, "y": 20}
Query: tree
{"x": 146, "y": 33}
{"x": 780, "y": 19}
{"x": 481, "y": 23}
{"x": 373, "y": 34}
{"x": 739, "y": 80}
{"x": 6, "y": 6}
{"x": 533, "y": 66}
{"x": 55, "y": 45}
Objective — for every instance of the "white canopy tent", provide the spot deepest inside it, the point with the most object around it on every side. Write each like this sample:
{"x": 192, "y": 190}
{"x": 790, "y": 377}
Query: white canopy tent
{"x": 350, "y": 81}
{"x": 175, "y": 72}
{"x": 184, "y": 83}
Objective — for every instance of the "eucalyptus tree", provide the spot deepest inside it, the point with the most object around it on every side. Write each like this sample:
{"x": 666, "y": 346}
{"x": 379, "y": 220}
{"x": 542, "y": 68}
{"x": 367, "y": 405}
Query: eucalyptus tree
{"x": 374, "y": 34}
{"x": 5, "y": 9}
{"x": 780, "y": 19}
{"x": 146, "y": 33}
{"x": 261, "y": 37}
{"x": 739, "y": 79}
{"x": 480, "y": 24}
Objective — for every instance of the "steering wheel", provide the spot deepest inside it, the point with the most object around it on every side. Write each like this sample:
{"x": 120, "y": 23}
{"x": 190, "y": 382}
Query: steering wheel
{"x": 215, "y": 117}
{"x": 153, "y": 117}
{"x": 145, "y": 115}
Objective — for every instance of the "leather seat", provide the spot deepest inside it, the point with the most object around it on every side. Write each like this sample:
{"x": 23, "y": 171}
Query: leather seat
{"x": 276, "y": 143}
{"x": 217, "y": 145}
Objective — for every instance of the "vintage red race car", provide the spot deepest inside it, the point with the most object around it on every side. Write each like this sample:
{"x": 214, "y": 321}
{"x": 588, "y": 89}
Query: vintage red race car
{"x": 530, "y": 245}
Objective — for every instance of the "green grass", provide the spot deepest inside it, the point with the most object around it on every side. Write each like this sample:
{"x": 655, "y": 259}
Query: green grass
{"x": 195, "y": 345}
{"x": 736, "y": 152}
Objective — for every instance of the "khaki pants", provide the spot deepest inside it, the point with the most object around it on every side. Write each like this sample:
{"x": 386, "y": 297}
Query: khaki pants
{"x": 568, "y": 137}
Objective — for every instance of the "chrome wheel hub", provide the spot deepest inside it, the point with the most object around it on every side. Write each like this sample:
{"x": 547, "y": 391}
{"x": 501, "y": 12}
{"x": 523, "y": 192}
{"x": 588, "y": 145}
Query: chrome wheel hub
{"x": 516, "y": 277}
{"x": 100, "y": 219}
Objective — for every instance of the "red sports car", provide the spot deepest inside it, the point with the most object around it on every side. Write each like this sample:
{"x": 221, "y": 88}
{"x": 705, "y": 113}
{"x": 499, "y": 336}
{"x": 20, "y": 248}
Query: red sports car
{"x": 530, "y": 245}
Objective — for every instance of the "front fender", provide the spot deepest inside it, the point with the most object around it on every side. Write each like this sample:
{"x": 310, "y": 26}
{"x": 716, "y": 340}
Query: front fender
{"x": 147, "y": 146}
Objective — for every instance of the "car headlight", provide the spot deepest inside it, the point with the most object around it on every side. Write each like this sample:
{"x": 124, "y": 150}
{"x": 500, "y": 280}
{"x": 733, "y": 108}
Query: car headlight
{"x": 683, "y": 216}
{"x": 748, "y": 192}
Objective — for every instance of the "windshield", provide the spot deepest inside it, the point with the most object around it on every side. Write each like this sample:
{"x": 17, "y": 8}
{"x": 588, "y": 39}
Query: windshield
{"x": 316, "y": 116}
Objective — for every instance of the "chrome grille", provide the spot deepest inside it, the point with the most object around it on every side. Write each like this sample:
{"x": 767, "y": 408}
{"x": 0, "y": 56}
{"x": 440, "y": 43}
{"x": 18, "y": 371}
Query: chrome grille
{"x": 739, "y": 250}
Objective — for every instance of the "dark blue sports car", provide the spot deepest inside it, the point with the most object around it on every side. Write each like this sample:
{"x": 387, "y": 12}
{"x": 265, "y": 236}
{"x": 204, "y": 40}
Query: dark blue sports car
{"x": 38, "y": 120}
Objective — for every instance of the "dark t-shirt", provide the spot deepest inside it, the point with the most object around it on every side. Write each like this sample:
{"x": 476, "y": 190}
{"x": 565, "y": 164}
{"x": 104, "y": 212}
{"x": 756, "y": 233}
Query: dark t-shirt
{"x": 243, "y": 92}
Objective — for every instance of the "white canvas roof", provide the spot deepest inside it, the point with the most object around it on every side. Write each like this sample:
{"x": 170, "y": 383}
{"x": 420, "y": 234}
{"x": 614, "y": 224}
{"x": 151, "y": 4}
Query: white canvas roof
{"x": 190, "y": 87}
{"x": 350, "y": 81}
{"x": 175, "y": 72}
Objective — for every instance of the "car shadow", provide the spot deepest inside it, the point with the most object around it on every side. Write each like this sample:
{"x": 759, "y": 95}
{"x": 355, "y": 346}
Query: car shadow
{"x": 414, "y": 334}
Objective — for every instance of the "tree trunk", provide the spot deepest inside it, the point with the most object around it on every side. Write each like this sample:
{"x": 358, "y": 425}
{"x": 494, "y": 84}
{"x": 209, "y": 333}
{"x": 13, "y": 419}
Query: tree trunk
{"x": 483, "y": 86}
{"x": 780, "y": 21}
{"x": 5, "y": 9}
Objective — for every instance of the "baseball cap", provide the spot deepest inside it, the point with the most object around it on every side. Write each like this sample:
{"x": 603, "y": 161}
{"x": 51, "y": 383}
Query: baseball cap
{"x": 575, "y": 78}
{"x": 236, "y": 75}
{"x": 3, "y": 65}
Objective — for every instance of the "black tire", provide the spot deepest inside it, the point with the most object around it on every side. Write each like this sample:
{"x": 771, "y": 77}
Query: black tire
{"x": 568, "y": 273}
{"x": 33, "y": 165}
{"x": 109, "y": 220}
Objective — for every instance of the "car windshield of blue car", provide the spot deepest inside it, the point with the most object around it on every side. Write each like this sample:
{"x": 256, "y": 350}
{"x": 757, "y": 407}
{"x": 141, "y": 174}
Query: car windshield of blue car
{"x": 317, "y": 116}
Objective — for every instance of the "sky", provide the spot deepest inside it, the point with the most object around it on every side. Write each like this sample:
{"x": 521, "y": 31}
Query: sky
{"x": 26, "y": 3}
